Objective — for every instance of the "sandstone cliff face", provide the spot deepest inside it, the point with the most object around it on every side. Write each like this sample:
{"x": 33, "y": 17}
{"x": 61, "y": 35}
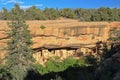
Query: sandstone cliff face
{"x": 62, "y": 34}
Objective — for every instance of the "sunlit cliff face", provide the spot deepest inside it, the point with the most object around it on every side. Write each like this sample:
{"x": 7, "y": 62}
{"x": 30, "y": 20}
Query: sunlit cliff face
{"x": 67, "y": 36}
{"x": 62, "y": 33}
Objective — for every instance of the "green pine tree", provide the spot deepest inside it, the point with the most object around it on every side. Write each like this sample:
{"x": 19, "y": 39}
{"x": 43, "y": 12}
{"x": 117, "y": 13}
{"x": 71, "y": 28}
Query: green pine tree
{"x": 19, "y": 57}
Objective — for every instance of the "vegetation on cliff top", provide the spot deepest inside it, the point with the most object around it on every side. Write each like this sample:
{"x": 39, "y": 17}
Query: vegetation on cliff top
{"x": 34, "y": 13}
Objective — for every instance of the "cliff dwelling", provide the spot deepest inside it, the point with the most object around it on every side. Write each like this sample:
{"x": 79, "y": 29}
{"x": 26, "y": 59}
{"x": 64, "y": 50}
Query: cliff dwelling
{"x": 62, "y": 38}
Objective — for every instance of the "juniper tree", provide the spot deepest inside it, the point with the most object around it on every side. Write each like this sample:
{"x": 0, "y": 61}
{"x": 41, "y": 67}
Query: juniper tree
{"x": 19, "y": 57}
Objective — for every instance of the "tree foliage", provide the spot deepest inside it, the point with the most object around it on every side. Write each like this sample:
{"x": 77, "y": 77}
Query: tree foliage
{"x": 5, "y": 75}
{"x": 57, "y": 65}
{"x": 51, "y": 13}
{"x": 34, "y": 13}
{"x": 19, "y": 51}
{"x": 68, "y": 13}
{"x": 5, "y": 15}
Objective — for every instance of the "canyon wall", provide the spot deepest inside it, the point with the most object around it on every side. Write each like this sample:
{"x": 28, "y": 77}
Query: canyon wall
{"x": 61, "y": 37}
